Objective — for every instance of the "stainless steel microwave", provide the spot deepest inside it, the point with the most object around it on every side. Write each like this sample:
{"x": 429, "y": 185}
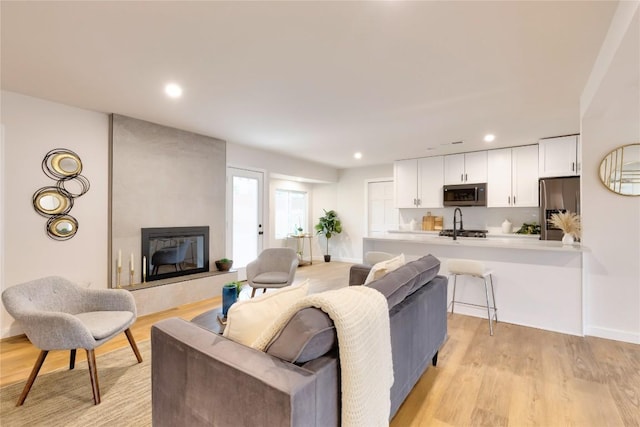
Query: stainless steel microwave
{"x": 465, "y": 195}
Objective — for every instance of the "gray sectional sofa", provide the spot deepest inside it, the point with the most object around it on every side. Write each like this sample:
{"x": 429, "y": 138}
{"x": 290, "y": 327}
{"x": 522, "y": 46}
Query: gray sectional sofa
{"x": 201, "y": 378}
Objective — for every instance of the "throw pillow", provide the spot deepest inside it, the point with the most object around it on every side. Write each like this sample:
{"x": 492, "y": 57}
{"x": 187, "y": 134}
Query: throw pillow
{"x": 383, "y": 267}
{"x": 247, "y": 319}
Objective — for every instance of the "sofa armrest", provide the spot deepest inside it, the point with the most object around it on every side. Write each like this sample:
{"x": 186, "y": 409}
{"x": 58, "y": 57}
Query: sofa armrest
{"x": 358, "y": 274}
{"x": 201, "y": 378}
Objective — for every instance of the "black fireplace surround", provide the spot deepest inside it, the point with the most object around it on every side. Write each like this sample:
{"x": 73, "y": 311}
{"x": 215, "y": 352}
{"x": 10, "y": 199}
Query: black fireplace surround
{"x": 175, "y": 251}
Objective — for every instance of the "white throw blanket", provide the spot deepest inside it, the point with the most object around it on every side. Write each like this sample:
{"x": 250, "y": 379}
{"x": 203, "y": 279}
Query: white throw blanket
{"x": 361, "y": 318}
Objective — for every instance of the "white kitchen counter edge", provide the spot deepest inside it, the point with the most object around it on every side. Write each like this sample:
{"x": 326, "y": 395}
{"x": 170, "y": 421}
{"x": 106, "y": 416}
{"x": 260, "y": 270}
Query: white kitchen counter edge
{"x": 504, "y": 242}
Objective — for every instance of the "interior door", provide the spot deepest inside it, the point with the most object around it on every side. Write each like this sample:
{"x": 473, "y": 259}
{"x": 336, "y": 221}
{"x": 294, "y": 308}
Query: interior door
{"x": 382, "y": 215}
{"x": 245, "y": 217}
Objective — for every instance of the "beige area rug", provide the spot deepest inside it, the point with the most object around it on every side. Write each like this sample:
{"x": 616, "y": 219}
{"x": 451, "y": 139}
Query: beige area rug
{"x": 64, "y": 398}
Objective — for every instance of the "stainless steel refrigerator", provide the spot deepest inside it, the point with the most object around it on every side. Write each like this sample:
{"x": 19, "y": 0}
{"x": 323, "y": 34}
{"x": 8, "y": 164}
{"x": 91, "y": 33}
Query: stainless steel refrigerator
{"x": 557, "y": 195}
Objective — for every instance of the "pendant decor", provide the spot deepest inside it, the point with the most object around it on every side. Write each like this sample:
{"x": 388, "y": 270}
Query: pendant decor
{"x": 55, "y": 202}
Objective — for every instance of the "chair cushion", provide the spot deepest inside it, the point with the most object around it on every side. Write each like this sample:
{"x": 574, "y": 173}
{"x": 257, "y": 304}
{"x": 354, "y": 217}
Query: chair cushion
{"x": 271, "y": 277}
{"x": 309, "y": 334}
{"x": 103, "y": 324}
{"x": 383, "y": 267}
{"x": 246, "y": 320}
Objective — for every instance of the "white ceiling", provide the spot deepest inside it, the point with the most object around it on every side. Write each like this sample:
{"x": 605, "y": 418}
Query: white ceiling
{"x": 317, "y": 80}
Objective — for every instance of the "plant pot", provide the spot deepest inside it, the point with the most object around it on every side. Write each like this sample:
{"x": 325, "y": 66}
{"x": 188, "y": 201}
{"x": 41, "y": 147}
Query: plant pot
{"x": 567, "y": 239}
{"x": 327, "y": 258}
{"x": 224, "y": 266}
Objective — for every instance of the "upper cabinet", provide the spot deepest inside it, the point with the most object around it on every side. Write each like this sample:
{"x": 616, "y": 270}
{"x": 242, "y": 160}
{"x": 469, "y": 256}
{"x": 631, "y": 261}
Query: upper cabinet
{"x": 512, "y": 177}
{"x": 465, "y": 168}
{"x": 418, "y": 182}
{"x": 558, "y": 156}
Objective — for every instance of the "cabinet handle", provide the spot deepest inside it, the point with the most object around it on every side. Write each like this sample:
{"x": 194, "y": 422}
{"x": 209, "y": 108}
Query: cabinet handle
{"x": 509, "y": 200}
{"x": 419, "y": 202}
{"x": 573, "y": 166}
{"x": 465, "y": 177}
{"x": 514, "y": 200}
{"x": 414, "y": 202}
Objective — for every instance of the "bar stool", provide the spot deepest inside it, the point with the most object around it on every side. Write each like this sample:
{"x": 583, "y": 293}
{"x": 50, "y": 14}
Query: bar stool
{"x": 466, "y": 267}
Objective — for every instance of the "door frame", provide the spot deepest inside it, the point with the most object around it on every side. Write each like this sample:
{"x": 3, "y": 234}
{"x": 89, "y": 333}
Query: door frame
{"x": 264, "y": 201}
{"x": 365, "y": 231}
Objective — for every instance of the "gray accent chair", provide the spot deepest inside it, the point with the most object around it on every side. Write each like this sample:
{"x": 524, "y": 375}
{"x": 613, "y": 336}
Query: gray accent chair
{"x": 274, "y": 268}
{"x": 171, "y": 255}
{"x": 57, "y": 314}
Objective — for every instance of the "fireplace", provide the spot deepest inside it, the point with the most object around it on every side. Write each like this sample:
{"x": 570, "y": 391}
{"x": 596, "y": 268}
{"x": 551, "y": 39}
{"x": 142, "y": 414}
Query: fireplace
{"x": 175, "y": 251}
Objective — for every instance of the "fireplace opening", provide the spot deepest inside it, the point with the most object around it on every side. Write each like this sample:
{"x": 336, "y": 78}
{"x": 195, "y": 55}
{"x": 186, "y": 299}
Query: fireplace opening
{"x": 175, "y": 251}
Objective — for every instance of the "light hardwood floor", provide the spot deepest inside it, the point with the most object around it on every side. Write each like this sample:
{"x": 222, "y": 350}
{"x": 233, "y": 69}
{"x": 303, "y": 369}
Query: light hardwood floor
{"x": 519, "y": 377}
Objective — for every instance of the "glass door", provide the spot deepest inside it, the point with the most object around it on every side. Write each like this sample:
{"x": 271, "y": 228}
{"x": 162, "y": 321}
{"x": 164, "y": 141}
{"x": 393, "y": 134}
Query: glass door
{"x": 245, "y": 217}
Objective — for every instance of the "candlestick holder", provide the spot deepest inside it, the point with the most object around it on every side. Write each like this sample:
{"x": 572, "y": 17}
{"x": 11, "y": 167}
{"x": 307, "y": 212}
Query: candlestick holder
{"x": 131, "y": 272}
{"x": 118, "y": 274}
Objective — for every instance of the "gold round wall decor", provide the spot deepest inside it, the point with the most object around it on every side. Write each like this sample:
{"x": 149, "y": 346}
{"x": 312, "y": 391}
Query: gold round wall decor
{"x": 64, "y": 166}
{"x": 62, "y": 227}
{"x": 52, "y": 201}
{"x": 620, "y": 170}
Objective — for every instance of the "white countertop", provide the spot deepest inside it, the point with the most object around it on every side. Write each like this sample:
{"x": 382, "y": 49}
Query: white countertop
{"x": 505, "y": 241}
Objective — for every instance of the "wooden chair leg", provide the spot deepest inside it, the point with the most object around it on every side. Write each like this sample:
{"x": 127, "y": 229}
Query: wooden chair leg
{"x": 72, "y": 359}
{"x": 93, "y": 374}
{"x": 133, "y": 345}
{"x": 32, "y": 376}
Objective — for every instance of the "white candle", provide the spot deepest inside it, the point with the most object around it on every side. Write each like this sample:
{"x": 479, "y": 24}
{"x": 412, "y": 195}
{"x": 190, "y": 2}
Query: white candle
{"x": 119, "y": 258}
{"x": 131, "y": 263}
{"x": 144, "y": 267}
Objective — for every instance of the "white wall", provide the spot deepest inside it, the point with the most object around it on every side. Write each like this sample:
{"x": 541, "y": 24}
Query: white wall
{"x": 274, "y": 163}
{"x": 33, "y": 127}
{"x": 348, "y": 199}
{"x": 611, "y": 222}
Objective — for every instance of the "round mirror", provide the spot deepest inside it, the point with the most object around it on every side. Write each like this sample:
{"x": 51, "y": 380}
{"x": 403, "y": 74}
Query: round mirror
{"x": 66, "y": 164}
{"x": 52, "y": 201}
{"x": 62, "y": 227}
{"x": 61, "y": 163}
{"x": 620, "y": 170}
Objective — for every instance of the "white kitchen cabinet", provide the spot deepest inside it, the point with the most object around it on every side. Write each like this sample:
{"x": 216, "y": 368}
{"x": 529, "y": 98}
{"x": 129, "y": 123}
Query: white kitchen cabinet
{"x": 465, "y": 168}
{"x": 418, "y": 182}
{"x": 558, "y": 156}
{"x": 512, "y": 177}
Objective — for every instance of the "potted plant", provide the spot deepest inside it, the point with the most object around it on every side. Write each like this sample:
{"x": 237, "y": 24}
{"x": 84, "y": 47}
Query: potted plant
{"x": 224, "y": 264}
{"x": 329, "y": 224}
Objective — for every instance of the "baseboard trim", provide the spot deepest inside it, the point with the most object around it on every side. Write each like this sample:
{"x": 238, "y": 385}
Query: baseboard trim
{"x": 613, "y": 334}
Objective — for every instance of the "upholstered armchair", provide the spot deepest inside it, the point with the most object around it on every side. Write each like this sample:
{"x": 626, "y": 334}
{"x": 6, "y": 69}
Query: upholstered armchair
{"x": 171, "y": 255}
{"x": 274, "y": 268}
{"x": 57, "y": 314}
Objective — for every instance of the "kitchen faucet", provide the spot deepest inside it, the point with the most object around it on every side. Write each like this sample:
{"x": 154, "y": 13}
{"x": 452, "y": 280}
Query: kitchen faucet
{"x": 454, "y": 222}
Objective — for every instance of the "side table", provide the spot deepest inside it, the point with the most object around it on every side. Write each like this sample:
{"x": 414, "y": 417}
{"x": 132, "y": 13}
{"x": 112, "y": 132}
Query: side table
{"x": 300, "y": 238}
{"x": 209, "y": 320}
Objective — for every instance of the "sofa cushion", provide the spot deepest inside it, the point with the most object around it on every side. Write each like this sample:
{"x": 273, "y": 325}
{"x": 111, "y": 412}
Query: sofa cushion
{"x": 404, "y": 281}
{"x": 383, "y": 267}
{"x": 246, "y": 320}
{"x": 308, "y": 335}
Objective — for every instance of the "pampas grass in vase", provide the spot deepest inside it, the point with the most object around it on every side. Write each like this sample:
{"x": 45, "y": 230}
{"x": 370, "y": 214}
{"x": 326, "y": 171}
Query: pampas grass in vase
{"x": 569, "y": 223}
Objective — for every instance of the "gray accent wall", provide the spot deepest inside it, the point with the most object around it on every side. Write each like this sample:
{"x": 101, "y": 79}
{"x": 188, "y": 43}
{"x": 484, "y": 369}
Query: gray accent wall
{"x": 163, "y": 177}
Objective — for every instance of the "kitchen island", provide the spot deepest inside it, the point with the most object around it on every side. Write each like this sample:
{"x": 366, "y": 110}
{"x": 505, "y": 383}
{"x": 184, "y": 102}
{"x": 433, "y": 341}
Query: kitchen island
{"x": 537, "y": 283}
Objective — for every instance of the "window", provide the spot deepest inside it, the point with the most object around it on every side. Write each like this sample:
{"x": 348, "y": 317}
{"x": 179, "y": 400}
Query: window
{"x": 291, "y": 212}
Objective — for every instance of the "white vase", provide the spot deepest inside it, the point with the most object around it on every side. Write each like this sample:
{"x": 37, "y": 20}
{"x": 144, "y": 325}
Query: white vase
{"x": 567, "y": 239}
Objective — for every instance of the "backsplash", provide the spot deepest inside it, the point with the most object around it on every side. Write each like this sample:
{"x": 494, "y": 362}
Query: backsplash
{"x": 474, "y": 217}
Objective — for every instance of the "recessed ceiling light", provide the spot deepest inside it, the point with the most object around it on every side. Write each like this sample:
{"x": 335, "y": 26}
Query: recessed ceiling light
{"x": 489, "y": 137}
{"x": 173, "y": 90}
{"x": 357, "y": 155}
